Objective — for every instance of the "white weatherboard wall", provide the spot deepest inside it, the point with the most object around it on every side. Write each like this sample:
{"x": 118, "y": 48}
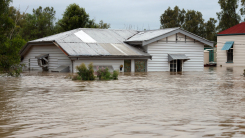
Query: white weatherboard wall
{"x": 160, "y": 50}
{"x": 114, "y": 63}
{"x": 56, "y": 57}
{"x": 238, "y": 51}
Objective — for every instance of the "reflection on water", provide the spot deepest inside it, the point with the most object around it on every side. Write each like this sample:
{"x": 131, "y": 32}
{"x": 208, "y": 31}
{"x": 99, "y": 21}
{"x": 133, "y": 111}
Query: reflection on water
{"x": 157, "y": 104}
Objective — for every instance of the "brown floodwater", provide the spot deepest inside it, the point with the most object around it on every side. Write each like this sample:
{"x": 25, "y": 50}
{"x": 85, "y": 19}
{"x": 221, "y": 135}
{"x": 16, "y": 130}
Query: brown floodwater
{"x": 156, "y": 104}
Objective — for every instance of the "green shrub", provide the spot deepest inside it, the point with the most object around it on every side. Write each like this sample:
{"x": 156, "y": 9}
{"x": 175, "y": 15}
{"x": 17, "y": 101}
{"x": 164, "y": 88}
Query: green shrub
{"x": 104, "y": 74}
{"x": 13, "y": 70}
{"x": 76, "y": 77}
{"x": 85, "y": 73}
{"x": 115, "y": 74}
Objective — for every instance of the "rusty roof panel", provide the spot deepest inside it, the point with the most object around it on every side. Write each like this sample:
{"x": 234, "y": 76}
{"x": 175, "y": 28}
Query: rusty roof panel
{"x": 111, "y": 49}
{"x": 125, "y": 49}
{"x": 78, "y": 49}
{"x": 99, "y": 49}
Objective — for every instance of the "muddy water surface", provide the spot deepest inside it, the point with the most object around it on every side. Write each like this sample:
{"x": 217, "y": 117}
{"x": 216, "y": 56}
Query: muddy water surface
{"x": 157, "y": 104}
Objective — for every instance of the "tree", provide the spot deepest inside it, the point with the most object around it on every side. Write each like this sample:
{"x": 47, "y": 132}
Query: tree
{"x": 172, "y": 18}
{"x": 6, "y": 23}
{"x": 39, "y": 24}
{"x": 242, "y": 10}
{"x": 18, "y": 19}
{"x": 194, "y": 22}
{"x": 103, "y": 25}
{"x": 229, "y": 16}
{"x": 9, "y": 46}
{"x": 74, "y": 17}
{"x": 210, "y": 29}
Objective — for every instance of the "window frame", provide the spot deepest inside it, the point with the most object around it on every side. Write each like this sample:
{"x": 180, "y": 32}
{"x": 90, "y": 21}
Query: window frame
{"x": 230, "y": 55}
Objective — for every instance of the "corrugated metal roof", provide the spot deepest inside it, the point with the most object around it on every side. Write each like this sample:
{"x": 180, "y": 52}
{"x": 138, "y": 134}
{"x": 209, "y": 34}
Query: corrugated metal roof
{"x": 147, "y": 35}
{"x": 84, "y": 37}
{"x": 237, "y": 29}
{"x": 95, "y": 42}
{"x": 111, "y": 49}
{"x": 56, "y": 36}
{"x": 177, "y": 56}
{"x": 228, "y": 45}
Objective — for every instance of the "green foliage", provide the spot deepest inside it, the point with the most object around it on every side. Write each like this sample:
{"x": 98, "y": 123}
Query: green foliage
{"x": 9, "y": 45}
{"x": 6, "y": 22}
{"x": 172, "y": 18}
{"x": 191, "y": 21}
{"x": 210, "y": 32}
{"x": 18, "y": 19}
{"x": 103, "y": 25}
{"x": 104, "y": 74}
{"x": 76, "y": 77}
{"x": 228, "y": 16}
{"x": 39, "y": 24}
{"x": 115, "y": 74}
{"x": 194, "y": 22}
{"x": 242, "y": 10}
{"x": 9, "y": 53}
{"x": 85, "y": 73}
{"x": 76, "y": 17}
{"x": 15, "y": 70}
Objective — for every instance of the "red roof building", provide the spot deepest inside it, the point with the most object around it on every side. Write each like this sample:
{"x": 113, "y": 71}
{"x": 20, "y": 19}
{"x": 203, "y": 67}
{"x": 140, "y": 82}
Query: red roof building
{"x": 231, "y": 47}
{"x": 235, "y": 30}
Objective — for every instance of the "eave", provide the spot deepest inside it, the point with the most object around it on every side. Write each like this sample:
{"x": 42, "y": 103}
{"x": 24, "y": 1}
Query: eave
{"x": 29, "y": 44}
{"x": 178, "y": 30}
{"x": 76, "y": 57}
{"x": 230, "y": 34}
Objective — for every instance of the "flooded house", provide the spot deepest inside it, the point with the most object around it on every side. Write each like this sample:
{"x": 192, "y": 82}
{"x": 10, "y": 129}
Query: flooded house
{"x": 230, "y": 46}
{"x": 171, "y": 49}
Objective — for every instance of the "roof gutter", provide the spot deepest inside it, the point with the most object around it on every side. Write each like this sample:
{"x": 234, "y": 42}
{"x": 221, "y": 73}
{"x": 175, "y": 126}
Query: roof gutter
{"x": 109, "y": 57}
{"x": 229, "y": 34}
{"x": 134, "y": 42}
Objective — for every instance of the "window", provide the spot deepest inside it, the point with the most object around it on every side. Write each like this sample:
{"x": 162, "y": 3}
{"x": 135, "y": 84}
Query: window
{"x": 230, "y": 55}
{"x": 176, "y": 65}
{"x": 43, "y": 62}
{"x": 173, "y": 65}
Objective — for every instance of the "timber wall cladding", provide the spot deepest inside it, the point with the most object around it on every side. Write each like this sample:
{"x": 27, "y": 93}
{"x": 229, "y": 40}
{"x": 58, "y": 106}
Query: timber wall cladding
{"x": 114, "y": 63}
{"x": 238, "y": 51}
{"x": 160, "y": 50}
{"x": 56, "y": 57}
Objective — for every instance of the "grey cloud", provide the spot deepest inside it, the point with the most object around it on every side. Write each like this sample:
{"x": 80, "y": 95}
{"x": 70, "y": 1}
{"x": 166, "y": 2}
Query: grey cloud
{"x": 137, "y": 13}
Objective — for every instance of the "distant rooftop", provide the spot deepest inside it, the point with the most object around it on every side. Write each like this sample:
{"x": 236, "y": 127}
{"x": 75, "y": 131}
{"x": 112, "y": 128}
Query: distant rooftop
{"x": 237, "y": 29}
{"x": 148, "y": 35}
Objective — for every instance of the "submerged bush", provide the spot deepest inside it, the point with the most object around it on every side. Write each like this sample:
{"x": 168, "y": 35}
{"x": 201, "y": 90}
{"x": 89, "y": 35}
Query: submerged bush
{"x": 76, "y": 77}
{"x": 104, "y": 74}
{"x": 85, "y": 73}
{"x": 115, "y": 74}
{"x": 14, "y": 70}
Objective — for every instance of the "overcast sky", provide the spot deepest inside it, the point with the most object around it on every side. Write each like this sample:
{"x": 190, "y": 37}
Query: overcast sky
{"x": 120, "y": 13}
